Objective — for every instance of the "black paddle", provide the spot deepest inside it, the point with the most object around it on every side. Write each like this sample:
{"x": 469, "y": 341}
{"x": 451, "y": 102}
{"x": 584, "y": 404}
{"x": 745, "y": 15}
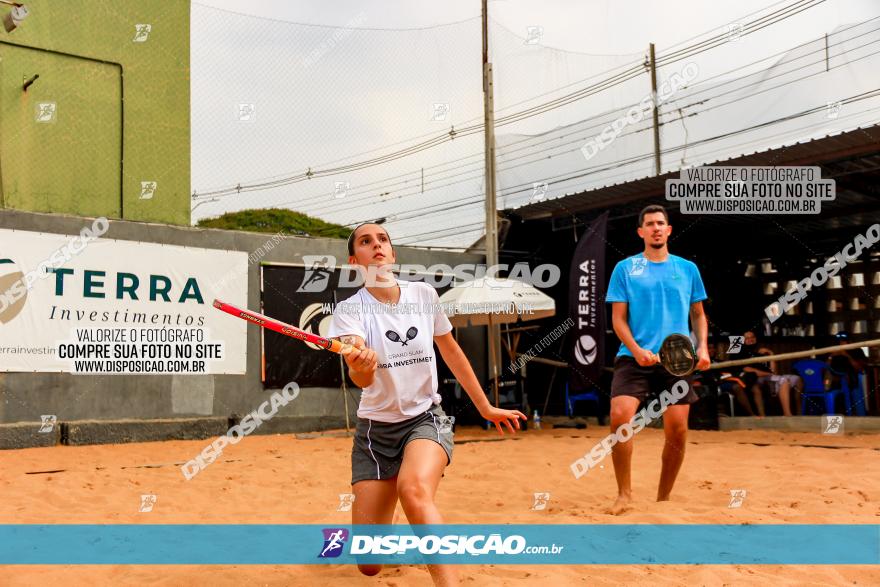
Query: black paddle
{"x": 677, "y": 355}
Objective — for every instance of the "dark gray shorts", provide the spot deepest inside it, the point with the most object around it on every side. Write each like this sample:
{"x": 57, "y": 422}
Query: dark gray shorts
{"x": 378, "y": 446}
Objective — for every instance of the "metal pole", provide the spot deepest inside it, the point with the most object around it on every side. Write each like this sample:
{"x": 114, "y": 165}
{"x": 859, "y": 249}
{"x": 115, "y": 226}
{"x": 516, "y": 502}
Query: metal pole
{"x": 489, "y": 135}
{"x": 653, "y": 66}
{"x": 489, "y": 132}
{"x": 492, "y": 361}
{"x": 344, "y": 385}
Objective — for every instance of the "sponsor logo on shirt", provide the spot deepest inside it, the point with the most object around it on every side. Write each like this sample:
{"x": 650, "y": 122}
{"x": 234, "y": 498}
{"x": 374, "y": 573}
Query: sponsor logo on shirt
{"x": 410, "y": 334}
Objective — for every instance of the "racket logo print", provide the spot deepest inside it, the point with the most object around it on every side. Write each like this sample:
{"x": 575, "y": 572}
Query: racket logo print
{"x": 253, "y": 319}
{"x": 317, "y": 274}
{"x": 334, "y": 540}
{"x": 586, "y": 350}
{"x": 638, "y": 266}
{"x": 410, "y": 334}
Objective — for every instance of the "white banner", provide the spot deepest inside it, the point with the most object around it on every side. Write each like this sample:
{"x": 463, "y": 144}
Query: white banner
{"x": 83, "y": 304}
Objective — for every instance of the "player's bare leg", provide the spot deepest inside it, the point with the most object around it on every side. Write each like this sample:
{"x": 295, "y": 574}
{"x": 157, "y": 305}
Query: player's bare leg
{"x": 423, "y": 464}
{"x": 623, "y": 408}
{"x": 675, "y": 427}
{"x": 758, "y": 394}
{"x": 785, "y": 397}
{"x": 743, "y": 401}
{"x": 374, "y": 503}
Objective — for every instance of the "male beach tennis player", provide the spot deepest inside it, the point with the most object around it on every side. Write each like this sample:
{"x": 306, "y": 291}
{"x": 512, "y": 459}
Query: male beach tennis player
{"x": 403, "y": 441}
{"x": 651, "y": 295}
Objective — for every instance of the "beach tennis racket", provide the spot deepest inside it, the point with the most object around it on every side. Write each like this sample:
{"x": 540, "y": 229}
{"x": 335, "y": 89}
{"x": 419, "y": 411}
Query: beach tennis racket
{"x": 677, "y": 355}
{"x": 280, "y": 327}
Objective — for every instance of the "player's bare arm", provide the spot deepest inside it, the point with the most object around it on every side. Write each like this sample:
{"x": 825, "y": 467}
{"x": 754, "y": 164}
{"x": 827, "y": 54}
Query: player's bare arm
{"x": 620, "y": 322}
{"x": 361, "y": 360}
{"x": 464, "y": 373}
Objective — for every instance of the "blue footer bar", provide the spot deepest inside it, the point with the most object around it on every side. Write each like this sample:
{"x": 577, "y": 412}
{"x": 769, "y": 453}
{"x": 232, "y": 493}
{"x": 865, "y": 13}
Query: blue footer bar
{"x": 642, "y": 544}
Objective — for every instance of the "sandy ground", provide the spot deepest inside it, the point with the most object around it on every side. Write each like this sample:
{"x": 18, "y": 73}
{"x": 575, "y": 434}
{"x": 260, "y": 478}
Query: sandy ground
{"x": 789, "y": 477}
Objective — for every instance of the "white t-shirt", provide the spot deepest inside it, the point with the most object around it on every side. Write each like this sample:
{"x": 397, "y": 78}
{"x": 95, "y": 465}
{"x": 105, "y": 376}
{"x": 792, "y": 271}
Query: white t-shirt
{"x": 402, "y": 335}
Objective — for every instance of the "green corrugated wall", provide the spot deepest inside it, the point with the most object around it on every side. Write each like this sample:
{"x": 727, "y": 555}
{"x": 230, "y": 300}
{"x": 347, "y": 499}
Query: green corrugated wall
{"x": 107, "y": 115}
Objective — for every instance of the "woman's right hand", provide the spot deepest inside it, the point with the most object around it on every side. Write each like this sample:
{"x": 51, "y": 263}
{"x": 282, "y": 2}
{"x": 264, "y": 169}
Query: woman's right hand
{"x": 358, "y": 356}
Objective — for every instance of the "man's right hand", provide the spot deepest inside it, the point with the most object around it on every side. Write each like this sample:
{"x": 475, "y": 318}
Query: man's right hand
{"x": 645, "y": 358}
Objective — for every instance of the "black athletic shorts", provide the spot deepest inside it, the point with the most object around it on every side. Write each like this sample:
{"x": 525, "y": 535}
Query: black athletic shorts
{"x": 633, "y": 380}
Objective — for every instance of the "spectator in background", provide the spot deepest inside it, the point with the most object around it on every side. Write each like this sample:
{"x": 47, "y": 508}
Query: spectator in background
{"x": 849, "y": 362}
{"x": 726, "y": 380}
{"x": 761, "y": 377}
{"x": 749, "y": 374}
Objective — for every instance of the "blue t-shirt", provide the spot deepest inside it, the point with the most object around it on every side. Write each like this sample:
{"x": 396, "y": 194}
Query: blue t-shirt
{"x": 659, "y": 297}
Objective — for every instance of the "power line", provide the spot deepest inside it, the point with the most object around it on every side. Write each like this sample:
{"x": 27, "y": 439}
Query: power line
{"x": 631, "y": 73}
{"x": 648, "y": 156}
{"x": 347, "y": 204}
{"x": 478, "y": 196}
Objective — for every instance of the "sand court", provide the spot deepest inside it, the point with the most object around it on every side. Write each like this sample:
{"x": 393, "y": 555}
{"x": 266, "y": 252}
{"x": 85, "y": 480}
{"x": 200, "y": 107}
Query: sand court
{"x": 788, "y": 478}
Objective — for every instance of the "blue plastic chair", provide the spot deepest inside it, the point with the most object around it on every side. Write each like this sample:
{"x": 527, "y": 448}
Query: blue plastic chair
{"x": 588, "y": 396}
{"x": 812, "y": 372}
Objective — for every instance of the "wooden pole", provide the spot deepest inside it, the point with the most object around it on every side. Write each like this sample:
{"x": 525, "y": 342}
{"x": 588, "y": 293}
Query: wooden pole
{"x": 794, "y": 355}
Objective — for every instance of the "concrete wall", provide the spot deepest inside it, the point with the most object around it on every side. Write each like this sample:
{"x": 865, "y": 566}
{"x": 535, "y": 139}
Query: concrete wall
{"x": 26, "y": 396}
{"x": 119, "y": 114}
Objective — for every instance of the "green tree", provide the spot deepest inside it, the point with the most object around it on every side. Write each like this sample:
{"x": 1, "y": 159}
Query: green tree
{"x": 275, "y": 220}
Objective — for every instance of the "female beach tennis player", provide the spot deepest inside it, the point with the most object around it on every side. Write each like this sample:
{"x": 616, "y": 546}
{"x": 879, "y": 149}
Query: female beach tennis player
{"x": 401, "y": 444}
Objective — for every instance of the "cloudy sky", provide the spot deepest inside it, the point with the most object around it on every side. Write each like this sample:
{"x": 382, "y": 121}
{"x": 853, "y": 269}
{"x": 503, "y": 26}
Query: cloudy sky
{"x": 280, "y": 88}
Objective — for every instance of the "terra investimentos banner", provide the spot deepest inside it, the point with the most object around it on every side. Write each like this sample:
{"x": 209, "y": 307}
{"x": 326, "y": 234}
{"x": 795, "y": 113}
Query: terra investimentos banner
{"x": 89, "y": 305}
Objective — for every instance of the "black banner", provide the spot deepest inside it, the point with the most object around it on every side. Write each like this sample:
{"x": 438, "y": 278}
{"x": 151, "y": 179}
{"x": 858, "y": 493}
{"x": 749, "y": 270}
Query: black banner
{"x": 586, "y": 299}
{"x": 305, "y": 297}
{"x": 302, "y": 297}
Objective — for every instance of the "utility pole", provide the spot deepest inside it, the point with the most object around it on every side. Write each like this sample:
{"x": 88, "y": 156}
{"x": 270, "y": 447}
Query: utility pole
{"x": 491, "y": 213}
{"x": 489, "y": 132}
{"x": 653, "y": 65}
